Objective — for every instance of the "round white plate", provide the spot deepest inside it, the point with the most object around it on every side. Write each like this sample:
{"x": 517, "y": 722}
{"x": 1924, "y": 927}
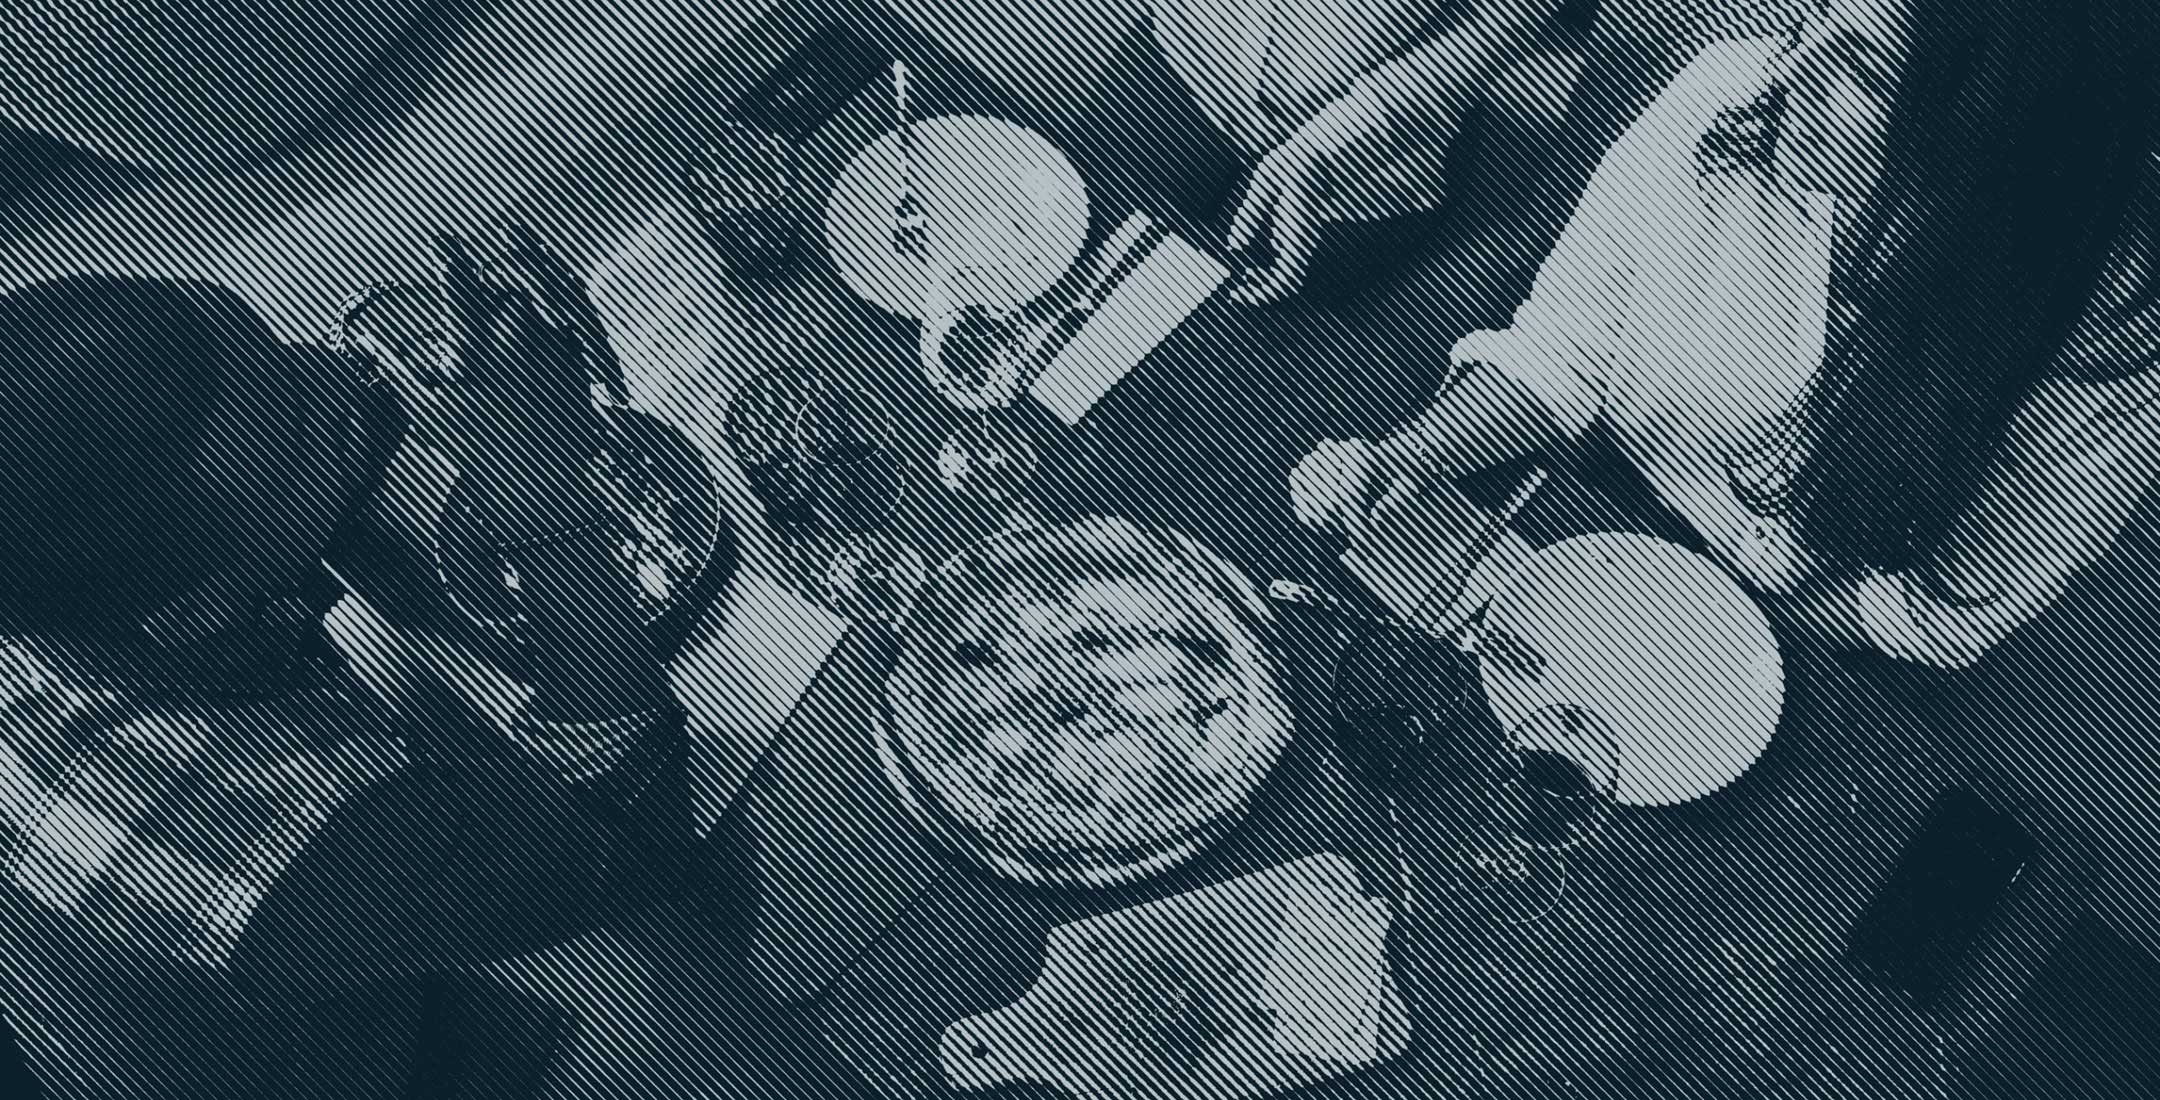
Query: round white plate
{"x": 995, "y": 194}
{"x": 1659, "y": 642}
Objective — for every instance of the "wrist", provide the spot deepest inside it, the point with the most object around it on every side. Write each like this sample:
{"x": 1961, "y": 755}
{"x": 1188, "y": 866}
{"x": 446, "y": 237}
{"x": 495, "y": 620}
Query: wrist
{"x": 1420, "y": 444}
{"x": 1410, "y": 103}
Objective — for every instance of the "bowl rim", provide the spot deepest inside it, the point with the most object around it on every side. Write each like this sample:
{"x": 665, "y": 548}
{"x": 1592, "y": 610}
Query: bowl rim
{"x": 1081, "y": 866}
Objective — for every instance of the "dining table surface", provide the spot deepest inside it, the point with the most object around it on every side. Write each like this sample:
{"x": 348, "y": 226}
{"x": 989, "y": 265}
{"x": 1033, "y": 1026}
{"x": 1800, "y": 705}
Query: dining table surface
{"x": 1680, "y": 925}
{"x": 1683, "y": 933}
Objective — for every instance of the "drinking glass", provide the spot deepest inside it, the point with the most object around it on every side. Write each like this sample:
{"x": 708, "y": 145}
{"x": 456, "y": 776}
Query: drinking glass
{"x": 873, "y": 576}
{"x": 1402, "y": 701}
{"x": 1380, "y": 725}
{"x": 975, "y": 353}
{"x": 1558, "y": 772}
{"x": 740, "y": 183}
{"x": 854, "y": 483}
{"x": 762, "y": 426}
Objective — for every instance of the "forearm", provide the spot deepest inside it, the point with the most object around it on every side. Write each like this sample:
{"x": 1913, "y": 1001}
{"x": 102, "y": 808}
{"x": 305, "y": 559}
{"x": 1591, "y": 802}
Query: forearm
{"x": 463, "y": 861}
{"x": 1427, "y": 91}
{"x": 2078, "y": 459}
{"x": 1484, "y": 419}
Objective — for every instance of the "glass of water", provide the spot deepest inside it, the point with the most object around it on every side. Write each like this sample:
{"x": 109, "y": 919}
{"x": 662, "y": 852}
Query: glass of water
{"x": 740, "y": 182}
{"x": 854, "y": 482}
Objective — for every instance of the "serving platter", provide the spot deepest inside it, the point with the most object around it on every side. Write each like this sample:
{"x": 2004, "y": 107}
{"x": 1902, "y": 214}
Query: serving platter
{"x": 1091, "y": 823}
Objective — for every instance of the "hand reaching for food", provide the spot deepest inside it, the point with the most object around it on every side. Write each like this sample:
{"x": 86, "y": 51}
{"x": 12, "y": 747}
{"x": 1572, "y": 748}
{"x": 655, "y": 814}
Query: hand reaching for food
{"x": 513, "y": 406}
{"x": 1343, "y": 484}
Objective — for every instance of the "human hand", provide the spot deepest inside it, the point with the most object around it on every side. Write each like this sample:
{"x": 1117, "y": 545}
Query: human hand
{"x": 1352, "y": 485}
{"x": 1287, "y": 200}
{"x": 514, "y": 404}
{"x": 1330, "y": 487}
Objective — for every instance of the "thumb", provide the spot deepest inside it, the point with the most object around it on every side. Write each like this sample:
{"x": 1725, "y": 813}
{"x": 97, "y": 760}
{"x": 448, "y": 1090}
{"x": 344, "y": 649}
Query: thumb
{"x": 1256, "y": 204}
{"x": 1295, "y": 237}
{"x": 1399, "y": 494}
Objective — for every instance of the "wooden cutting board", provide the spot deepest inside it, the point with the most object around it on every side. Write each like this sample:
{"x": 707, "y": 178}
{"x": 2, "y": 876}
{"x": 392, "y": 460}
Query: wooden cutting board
{"x": 1163, "y": 1000}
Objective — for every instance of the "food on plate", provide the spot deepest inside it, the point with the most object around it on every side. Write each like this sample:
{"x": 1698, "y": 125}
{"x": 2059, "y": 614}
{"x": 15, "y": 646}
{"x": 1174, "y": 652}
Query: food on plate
{"x": 1091, "y": 694}
{"x": 974, "y": 358}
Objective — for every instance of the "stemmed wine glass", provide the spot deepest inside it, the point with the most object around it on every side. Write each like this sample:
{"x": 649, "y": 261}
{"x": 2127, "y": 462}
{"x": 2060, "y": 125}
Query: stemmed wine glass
{"x": 1386, "y": 708}
{"x": 975, "y": 353}
{"x": 1557, "y": 775}
{"x": 852, "y": 481}
{"x": 761, "y": 426}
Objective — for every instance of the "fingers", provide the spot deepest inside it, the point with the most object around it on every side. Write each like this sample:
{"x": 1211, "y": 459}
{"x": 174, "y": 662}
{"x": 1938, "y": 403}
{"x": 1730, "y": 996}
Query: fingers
{"x": 1328, "y": 486}
{"x": 480, "y": 311}
{"x": 1258, "y": 202}
{"x": 565, "y": 300}
{"x": 540, "y": 273}
{"x": 495, "y": 321}
{"x": 1294, "y": 237}
{"x": 1309, "y": 486}
{"x": 525, "y": 242}
{"x": 417, "y": 394}
{"x": 1360, "y": 520}
{"x": 1400, "y": 491}
{"x": 1308, "y": 489}
{"x": 523, "y": 407}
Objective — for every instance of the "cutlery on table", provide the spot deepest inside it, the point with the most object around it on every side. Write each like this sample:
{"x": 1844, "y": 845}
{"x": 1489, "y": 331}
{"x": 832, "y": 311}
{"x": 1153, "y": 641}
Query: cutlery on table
{"x": 911, "y": 225}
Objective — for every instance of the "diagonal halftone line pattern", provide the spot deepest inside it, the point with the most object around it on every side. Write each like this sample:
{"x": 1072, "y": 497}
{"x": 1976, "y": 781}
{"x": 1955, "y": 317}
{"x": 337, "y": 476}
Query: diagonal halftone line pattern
{"x": 622, "y": 1035}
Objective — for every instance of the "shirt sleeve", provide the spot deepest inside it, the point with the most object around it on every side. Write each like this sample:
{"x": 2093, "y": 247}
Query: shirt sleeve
{"x": 2079, "y": 458}
{"x": 481, "y": 849}
{"x": 1561, "y": 341}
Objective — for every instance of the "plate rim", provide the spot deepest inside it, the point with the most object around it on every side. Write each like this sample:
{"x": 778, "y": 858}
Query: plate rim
{"x": 1059, "y": 158}
{"x": 1160, "y": 856}
{"x": 1664, "y": 794}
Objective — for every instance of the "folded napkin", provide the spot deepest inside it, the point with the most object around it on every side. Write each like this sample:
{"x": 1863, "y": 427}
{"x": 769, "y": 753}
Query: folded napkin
{"x": 1144, "y": 308}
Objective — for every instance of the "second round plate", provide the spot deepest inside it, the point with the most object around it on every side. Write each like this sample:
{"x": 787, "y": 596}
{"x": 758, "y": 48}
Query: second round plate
{"x": 1661, "y": 643}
